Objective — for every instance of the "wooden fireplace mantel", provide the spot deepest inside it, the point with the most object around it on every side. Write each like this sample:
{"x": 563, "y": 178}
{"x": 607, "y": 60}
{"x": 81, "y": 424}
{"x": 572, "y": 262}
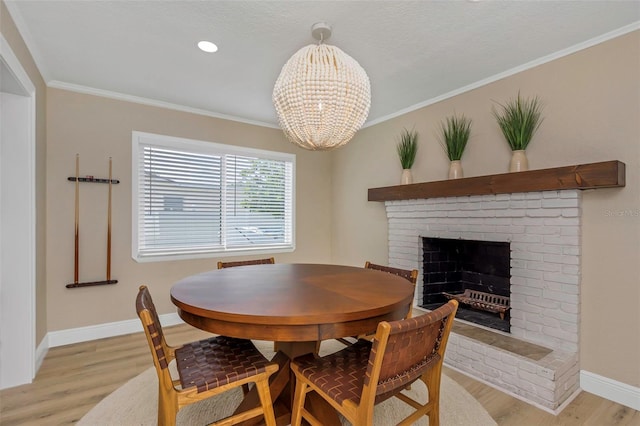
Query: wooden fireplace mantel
{"x": 607, "y": 174}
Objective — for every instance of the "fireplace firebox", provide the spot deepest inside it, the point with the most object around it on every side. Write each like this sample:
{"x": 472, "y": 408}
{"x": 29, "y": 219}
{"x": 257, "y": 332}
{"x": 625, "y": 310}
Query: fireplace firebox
{"x": 451, "y": 266}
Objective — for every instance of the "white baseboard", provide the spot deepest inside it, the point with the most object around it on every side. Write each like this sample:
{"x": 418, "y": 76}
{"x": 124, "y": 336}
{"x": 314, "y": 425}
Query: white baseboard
{"x": 612, "y": 390}
{"x": 100, "y": 331}
{"x": 41, "y": 352}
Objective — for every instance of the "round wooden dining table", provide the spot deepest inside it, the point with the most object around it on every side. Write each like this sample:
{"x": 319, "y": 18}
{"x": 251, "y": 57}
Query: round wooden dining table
{"x": 294, "y": 305}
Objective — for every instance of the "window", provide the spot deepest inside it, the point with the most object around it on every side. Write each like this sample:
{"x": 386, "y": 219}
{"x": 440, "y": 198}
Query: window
{"x": 198, "y": 199}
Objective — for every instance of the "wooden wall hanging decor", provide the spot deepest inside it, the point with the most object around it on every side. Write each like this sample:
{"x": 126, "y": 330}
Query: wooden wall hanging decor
{"x": 77, "y": 179}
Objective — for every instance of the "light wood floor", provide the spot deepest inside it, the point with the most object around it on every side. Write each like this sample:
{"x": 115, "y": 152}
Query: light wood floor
{"x": 76, "y": 377}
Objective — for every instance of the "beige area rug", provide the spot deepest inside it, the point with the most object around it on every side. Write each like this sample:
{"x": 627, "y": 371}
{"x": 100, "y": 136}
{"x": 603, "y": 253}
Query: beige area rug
{"x": 135, "y": 403}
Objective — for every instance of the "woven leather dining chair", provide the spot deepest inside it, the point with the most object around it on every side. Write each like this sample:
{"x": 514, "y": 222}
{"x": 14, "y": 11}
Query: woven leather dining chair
{"x": 409, "y": 275}
{"x": 267, "y": 261}
{"x": 205, "y": 368}
{"x": 366, "y": 373}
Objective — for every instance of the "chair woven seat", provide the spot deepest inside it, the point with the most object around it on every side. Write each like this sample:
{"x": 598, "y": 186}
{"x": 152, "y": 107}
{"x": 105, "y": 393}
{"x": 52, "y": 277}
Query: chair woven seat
{"x": 218, "y": 361}
{"x": 341, "y": 374}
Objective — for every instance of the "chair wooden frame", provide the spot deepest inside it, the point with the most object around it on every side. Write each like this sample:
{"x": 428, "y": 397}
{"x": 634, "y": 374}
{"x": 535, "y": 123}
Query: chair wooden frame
{"x": 391, "y": 366}
{"x": 173, "y": 396}
{"x": 266, "y": 261}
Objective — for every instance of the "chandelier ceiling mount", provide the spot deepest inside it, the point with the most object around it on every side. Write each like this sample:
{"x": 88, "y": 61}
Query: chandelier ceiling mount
{"x": 321, "y": 31}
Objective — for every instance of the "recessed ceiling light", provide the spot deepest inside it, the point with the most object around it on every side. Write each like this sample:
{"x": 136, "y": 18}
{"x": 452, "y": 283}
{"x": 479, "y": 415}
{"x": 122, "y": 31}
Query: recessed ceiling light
{"x": 207, "y": 46}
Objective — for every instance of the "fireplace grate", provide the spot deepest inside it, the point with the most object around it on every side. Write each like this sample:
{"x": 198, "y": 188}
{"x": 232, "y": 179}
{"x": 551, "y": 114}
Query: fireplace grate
{"x": 483, "y": 301}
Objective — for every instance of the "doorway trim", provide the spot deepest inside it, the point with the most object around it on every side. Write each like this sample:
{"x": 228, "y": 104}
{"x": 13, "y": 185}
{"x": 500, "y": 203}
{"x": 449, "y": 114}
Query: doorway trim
{"x": 18, "y": 229}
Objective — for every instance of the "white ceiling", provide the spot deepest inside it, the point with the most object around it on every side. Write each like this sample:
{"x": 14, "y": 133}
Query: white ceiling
{"x": 413, "y": 51}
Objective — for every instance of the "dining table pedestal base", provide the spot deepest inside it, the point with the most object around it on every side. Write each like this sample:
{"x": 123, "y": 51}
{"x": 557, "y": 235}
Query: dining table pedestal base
{"x": 282, "y": 388}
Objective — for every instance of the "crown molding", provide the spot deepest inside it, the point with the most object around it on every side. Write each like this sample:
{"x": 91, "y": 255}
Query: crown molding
{"x": 524, "y": 67}
{"x": 55, "y": 84}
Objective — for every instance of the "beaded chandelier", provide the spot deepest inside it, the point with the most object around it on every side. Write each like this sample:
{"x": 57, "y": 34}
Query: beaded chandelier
{"x": 322, "y": 96}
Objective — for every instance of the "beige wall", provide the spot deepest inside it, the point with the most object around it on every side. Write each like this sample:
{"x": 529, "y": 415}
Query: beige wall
{"x": 11, "y": 34}
{"x": 98, "y": 128}
{"x": 592, "y": 110}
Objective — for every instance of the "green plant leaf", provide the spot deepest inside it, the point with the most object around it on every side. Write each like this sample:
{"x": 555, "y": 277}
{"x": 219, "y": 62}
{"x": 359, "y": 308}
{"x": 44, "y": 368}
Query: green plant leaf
{"x": 519, "y": 119}
{"x": 407, "y": 148}
{"x": 455, "y": 132}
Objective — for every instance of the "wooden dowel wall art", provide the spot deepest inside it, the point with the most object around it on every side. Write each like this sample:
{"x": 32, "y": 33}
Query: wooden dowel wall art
{"x": 76, "y": 263}
{"x": 77, "y": 223}
{"x": 109, "y": 225}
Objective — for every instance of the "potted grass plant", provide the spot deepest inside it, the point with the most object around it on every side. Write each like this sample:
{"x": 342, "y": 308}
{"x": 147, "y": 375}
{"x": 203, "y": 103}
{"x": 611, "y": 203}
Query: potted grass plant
{"x": 454, "y": 136}
{"x": 407, "y": 148}
{"x": 519, "y": 119}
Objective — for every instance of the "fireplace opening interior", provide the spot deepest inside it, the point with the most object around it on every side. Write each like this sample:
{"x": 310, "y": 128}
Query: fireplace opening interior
{"x": 451, "y": 266}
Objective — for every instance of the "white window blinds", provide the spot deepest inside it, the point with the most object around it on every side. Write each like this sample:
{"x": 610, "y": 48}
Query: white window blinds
{"x": 193, "y": 199}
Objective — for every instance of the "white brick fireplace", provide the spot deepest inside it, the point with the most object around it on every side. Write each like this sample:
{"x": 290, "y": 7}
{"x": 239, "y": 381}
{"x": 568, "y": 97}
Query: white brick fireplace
{"x": 543, "y": 229}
